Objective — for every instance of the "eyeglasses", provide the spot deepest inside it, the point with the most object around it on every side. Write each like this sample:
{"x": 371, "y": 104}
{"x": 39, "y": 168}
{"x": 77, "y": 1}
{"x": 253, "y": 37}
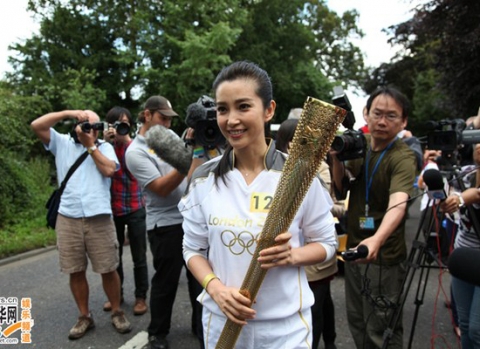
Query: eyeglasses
{"x": 376, "y": 115}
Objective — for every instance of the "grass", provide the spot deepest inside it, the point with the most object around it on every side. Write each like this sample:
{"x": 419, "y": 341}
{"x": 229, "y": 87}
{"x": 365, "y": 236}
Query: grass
{"x": 25, "y": 236}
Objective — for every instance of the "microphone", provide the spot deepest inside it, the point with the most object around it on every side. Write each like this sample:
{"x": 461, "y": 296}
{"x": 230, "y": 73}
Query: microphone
{"x": 171, "y": 148}
{"x": 434, "y": 181}
{"x": 351, "y": 255}
{"x": 461, "y": 265}
{"x": 195, "y": 113}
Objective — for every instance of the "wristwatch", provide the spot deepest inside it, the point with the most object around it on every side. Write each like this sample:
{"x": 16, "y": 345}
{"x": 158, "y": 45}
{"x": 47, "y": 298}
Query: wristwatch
{"x": 91, "y": 149}
{"x": 460, "y": 198}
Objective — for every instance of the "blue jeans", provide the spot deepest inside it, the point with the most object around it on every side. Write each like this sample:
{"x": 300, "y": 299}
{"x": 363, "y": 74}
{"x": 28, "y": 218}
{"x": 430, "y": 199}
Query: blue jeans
{"x": 467, "y": 299}
{"x": 137, "y": 235}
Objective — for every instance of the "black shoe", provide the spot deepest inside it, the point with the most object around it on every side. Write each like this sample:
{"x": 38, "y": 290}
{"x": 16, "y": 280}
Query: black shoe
{"x": 157, "y": 343}
{"x": 330, "y": 345}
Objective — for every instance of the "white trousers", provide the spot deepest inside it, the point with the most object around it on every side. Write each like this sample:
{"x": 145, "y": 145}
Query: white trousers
{"x": 294, "y": 332}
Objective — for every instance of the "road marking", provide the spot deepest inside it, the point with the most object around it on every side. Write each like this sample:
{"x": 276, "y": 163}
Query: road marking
{"x": 137, "y": 342}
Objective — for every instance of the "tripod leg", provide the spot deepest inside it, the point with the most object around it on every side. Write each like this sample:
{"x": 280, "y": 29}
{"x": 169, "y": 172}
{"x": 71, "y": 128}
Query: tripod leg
{"x": 420, "y": 294}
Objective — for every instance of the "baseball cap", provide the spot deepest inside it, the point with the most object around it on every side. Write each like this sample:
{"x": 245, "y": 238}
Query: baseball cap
{"x": 161, "y": 104}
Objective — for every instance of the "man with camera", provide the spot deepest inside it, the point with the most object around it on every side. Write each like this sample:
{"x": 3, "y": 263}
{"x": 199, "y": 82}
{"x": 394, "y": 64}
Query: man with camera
{"x": 128, "y": 207}
{"x": 380, "y": 183}
{"x": 84, "y": 225}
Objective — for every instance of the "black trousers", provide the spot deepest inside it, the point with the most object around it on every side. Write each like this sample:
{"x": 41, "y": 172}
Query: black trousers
{"x": 323, "y": 313}
{"x": 166, "y": 247}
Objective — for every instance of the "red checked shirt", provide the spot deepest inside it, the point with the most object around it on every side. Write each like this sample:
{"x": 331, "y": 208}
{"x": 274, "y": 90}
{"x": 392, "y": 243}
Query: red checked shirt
{"x": 127, "y": 195}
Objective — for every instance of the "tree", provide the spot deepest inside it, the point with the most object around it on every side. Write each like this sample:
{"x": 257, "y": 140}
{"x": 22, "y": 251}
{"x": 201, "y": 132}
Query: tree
{"x": 123, "y": 51}
{"x": 439, "y": 64}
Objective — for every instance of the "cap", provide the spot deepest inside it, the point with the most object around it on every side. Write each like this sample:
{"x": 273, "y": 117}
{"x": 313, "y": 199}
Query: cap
{"x": 161, "y": 104}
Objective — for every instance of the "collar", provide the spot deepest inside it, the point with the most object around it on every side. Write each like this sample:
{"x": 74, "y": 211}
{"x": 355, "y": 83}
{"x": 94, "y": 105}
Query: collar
{"x": 268, "y": 158}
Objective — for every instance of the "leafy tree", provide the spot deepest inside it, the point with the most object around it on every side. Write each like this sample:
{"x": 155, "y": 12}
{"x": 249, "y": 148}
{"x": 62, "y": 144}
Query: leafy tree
{"x": 122, "y": 51}
{"x": 438, "y": 67}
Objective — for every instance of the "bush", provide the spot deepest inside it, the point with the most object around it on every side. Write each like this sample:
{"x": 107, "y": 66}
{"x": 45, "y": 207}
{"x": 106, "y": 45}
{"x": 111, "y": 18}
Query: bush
{"x": 24, "y": 188}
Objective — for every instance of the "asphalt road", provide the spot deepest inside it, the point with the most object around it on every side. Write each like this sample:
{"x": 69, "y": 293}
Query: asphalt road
{"x": 54, "y": 311}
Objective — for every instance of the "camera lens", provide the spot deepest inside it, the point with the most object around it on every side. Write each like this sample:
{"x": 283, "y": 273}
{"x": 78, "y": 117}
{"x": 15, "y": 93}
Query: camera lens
{"x": 86, "y": 127}
{"x": 122, "y": 128}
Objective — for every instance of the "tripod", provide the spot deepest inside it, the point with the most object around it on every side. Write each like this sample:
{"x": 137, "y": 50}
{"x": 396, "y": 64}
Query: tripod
{"x": 419, "y": 257}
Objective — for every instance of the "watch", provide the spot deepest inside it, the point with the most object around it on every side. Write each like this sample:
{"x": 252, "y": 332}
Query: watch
{"x": 460, "y": 198}
{"x": 91, "y": 149}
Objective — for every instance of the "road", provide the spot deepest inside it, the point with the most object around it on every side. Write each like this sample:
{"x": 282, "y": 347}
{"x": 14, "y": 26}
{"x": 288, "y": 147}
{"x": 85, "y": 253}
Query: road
{"x": 54, "y": 312}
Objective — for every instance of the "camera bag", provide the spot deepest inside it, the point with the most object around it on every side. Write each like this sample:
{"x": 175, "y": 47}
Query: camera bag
{"x": 53, "y": 203}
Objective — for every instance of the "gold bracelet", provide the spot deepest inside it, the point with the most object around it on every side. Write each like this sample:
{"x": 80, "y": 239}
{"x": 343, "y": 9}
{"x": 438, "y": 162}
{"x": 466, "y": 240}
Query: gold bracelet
{"x": 207, "y": 279}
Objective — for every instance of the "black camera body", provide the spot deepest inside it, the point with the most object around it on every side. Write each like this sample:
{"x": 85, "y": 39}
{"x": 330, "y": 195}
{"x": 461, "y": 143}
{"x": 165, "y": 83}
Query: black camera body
{"x": 86, "y": 127}
{"x": 202, "y": 117}
{"x": 449, "y": 135}
{"x": 351, "y": 144}
{"x": 122, "y": 128}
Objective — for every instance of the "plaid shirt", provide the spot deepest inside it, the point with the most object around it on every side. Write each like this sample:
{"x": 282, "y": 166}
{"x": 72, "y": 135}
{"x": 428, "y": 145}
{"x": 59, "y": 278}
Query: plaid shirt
{"x": 127, "y": 195}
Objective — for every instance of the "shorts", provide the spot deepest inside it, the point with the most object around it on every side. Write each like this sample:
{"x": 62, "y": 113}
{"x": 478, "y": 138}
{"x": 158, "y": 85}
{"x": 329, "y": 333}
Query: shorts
{"x": 94, "y": 237}
{"x": 293, "y": 332}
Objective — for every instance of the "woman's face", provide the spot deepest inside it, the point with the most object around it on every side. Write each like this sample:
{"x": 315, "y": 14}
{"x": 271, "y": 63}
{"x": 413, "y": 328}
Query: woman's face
{"x": 241, "y": 115}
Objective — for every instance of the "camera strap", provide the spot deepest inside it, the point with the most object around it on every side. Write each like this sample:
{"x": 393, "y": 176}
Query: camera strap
{"x": 368, "y": 181}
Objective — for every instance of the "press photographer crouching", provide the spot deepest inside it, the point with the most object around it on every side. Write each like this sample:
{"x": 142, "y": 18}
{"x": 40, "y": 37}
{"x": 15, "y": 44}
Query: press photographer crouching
{"x": 465, "y": 257}
{"x": 380, "y": 182}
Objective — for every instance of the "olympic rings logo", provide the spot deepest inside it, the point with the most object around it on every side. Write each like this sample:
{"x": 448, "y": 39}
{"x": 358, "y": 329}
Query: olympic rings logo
{"x": 245, "y": 241}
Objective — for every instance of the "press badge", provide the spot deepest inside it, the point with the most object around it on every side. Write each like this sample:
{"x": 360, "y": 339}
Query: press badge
{"x": 367, "y": 223}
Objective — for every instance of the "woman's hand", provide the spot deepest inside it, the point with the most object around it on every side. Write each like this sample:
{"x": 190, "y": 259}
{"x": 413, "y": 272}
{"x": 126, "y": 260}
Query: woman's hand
{"x": 278, "y": 255}
{"x": 231, "y": 302}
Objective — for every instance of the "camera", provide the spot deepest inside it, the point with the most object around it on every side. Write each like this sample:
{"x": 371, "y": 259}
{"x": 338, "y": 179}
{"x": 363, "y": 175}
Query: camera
{"x": 202, "y": 117}
{"x": 122, "y": 128}
{"x": 351, "y": 144}
{"x": 450, "y": 134}
{"x": 97, "y": 126}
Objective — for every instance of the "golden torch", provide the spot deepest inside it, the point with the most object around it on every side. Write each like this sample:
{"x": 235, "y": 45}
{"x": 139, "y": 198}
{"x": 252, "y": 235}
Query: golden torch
{"x": 314, "y": 134}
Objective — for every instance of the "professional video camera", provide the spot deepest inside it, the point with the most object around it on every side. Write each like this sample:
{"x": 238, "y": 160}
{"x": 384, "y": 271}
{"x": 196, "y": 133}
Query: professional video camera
{"x": 202, "y": 117}
{"x": 122, "y": 128}
{"x": 450, "y": 135}
{"x": 351, "y": 144}
{"x": 97, "y": 126}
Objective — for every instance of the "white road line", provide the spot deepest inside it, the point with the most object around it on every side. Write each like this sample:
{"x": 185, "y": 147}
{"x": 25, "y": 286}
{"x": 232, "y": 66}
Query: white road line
{"x": 137, "y": 342}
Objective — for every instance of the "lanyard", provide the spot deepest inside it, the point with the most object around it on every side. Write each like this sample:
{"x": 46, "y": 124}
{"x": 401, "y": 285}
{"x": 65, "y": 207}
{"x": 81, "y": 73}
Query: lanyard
{"x": 368, "y": 181}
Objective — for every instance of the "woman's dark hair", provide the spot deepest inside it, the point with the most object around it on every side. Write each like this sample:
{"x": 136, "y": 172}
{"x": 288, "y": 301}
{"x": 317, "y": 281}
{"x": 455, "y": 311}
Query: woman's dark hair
{"x": 116, "y": 113}
{"x": 398, "y": 96}
{"x": 248, "y": 71}
{"x": 285, "y": 134}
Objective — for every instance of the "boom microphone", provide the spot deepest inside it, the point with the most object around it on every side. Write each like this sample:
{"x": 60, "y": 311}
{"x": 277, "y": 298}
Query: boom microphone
{"x": 434, "y": 181}
{"x": 195, "y": 113}
{"x": 462, "y": 262}
{"x": 171, "y": 148}
{"x": 351, "y": 255}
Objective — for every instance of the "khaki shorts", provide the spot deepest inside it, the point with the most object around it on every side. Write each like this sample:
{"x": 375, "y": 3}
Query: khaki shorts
{"x": 94, "y": 237}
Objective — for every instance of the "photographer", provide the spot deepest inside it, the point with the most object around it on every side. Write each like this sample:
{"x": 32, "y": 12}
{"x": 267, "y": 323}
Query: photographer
{"x": 467, "y": 294}
{"x": 128, "y": 208}
{"x": 381, "y": 184}
{"x": 84, "y": 225}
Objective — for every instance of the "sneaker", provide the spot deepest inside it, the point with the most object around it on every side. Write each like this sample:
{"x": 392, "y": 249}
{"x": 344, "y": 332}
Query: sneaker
{"x": 157, "y": 343}
{"x": 120, "y": 322}
{"x": 108, "y": 306}
{"x": 84, "y": 323}
{"x": 140, "y": 307}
